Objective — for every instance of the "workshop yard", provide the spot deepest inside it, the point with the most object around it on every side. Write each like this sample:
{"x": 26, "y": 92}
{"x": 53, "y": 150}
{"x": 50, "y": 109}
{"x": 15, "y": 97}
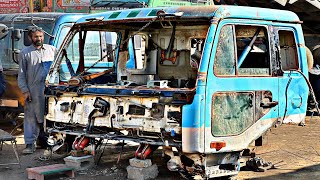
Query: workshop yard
{"x": 294, "y": 150}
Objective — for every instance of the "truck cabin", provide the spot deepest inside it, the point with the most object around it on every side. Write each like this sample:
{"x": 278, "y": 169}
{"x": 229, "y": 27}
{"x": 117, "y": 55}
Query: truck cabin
{"x": 56, "y": 26}
{"x": 162, "y": 52}
{"x": 205, "y": 79}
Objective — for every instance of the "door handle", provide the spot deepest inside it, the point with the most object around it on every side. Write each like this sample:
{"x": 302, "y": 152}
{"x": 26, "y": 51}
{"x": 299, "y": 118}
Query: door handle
{"x": 269, "y": 104}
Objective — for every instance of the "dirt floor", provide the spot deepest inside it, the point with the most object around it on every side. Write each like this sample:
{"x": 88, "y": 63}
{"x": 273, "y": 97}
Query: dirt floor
{"x": 295, "y": 151}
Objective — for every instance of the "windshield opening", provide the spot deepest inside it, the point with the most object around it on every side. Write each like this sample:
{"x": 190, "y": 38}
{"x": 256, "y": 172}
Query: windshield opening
{"x": 94, "y": 46}
{"x": 165, "y": 55}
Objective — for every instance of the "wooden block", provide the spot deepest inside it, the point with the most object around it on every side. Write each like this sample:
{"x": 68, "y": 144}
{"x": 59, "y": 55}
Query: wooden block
{"x": 38, "y": 173}
{"x": 9, "y": 103}
{"x": 32, "y": 175}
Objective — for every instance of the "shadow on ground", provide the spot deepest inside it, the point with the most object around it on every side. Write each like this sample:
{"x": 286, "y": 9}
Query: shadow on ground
{"x": 310, "y": 173}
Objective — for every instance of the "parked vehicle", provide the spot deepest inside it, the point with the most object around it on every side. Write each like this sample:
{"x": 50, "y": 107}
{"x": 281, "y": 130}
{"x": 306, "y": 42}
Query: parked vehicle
{"x": 203, "y": 82}
{"x": 56, "y": 26}
{"x": 103, "y": 5}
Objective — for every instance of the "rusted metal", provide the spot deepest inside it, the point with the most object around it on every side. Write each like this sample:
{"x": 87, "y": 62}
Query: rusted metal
{"x": 202, "y": 76}
{"x": 153, "y": 92}
{"x": 215, "y": 20}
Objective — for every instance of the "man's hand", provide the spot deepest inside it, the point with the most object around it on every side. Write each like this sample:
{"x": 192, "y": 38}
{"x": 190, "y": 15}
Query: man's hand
{"x": 27, "y": 96}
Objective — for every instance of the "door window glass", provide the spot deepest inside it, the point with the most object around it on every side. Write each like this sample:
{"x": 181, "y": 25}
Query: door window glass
{"x": 252, "y": 50}
{"x": 232, "y": 113}
{"x": 251, "y": 57}
{"x": 225, "y": 54}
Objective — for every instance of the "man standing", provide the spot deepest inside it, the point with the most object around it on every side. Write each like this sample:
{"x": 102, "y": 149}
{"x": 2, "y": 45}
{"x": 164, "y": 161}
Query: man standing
{"x": 34, "y": 63}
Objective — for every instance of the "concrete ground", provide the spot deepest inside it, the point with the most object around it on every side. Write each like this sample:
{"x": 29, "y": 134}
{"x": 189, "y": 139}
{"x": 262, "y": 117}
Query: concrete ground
{"x": 295, "y": 151}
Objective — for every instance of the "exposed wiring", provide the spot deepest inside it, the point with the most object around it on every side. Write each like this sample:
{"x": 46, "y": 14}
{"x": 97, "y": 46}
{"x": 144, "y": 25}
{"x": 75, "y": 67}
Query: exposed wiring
{"x": 286, "y": 97}
{"x": 310, "y": 90}
{"x": 41, "y": 28}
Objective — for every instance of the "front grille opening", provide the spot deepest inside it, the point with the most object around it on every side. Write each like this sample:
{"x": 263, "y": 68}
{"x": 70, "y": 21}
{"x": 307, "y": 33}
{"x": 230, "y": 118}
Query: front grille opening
{"x": 136, "y": 110}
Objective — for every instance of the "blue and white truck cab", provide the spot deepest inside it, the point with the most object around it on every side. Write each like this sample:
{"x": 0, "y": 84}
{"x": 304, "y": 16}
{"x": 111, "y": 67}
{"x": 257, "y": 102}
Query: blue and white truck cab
{"x": 56, "y": 26}
{"x": 203, "y": 82}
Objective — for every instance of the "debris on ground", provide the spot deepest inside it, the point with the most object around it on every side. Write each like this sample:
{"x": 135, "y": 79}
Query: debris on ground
{"x": 257, "y": 164}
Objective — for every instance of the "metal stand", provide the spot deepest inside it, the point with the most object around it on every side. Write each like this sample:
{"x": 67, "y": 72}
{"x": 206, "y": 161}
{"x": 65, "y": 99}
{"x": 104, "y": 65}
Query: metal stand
{"x": 5, "y": 136}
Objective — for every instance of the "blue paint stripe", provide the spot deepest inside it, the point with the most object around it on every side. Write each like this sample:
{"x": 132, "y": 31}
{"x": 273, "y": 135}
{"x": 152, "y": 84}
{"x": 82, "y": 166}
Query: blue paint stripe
{"x": 191, "y": 114}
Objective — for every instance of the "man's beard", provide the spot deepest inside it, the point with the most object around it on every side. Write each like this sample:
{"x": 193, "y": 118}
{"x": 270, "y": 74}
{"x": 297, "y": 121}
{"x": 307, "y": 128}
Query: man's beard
{"x": 37, "y": 43}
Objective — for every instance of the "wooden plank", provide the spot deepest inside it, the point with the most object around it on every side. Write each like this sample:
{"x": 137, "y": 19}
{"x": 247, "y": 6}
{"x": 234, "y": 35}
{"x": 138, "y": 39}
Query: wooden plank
{"x": 50, "y": 169}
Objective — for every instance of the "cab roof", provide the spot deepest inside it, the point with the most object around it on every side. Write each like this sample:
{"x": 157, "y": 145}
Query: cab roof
{"x": 201, "y": 12}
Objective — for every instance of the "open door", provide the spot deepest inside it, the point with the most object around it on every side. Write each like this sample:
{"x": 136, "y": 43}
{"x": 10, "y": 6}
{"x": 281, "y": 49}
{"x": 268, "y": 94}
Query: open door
{"x": 242, "y": 92}
{"x": 293, "y": 88}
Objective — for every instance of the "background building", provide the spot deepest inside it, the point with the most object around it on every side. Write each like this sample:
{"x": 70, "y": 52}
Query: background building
{"x": 29, "y": 6}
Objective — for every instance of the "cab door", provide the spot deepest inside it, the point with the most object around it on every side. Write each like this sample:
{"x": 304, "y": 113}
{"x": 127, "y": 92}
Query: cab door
{"x": 242, "y": 89}
{"x": 293, "y": 88}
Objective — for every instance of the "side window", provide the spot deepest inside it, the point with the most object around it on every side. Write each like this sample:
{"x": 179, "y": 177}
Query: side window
{"x": 288, "y": 50}
{"x": 252, "y": 50}
{"x": 251, "y": 56}
{"x": 225, "y": 55}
